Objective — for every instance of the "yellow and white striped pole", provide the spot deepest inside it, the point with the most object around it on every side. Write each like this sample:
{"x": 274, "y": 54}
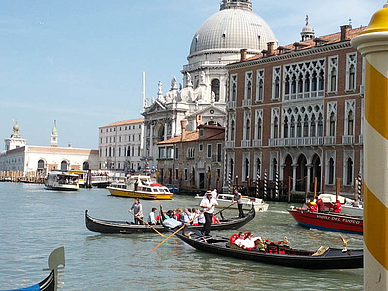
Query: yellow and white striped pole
{"x": 373, "y": 44}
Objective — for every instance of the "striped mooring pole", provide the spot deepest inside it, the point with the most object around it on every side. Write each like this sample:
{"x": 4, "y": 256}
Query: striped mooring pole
{"x": 265, "y": 184}
{"x": 359, "y": 183}
{"x": 257, "y": 183}
{"x": 276, "y": 184}
{"x": 372, "y": 43}
{"x": 230, "y": 183}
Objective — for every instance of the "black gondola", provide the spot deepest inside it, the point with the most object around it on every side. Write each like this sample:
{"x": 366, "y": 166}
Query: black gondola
{"x": 106, "y": 226}
{"x": 323, "y": 258}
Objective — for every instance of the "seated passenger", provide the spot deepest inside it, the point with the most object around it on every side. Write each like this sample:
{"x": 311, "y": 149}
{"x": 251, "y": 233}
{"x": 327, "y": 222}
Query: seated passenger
{"x": 240, "y": 239}
{"x": 321, "y": 205}
{"x": 337, "y": 207}
{"x": 312, "y": 205}
{"x": 248, "y": 242}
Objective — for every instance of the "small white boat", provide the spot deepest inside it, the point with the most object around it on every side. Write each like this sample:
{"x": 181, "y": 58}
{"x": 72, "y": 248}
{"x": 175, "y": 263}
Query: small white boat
{"x": 62, "y": 181}
{"x": 140, "y": 186}
{"x": 224, "y": 200}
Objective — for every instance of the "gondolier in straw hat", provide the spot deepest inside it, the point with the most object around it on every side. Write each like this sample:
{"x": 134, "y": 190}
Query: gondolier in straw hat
{"x": 208, "y": 203}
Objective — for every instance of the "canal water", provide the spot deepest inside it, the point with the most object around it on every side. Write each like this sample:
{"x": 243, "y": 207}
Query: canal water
{"x": 34, "y": 221}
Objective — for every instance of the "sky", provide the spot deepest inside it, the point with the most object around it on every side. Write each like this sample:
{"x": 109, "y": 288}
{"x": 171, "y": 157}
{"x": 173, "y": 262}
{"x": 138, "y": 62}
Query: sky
{"x": 81, "y": 62}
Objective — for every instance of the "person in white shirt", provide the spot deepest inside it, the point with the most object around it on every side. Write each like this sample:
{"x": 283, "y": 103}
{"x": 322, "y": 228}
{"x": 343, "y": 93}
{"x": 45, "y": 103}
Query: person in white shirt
{"x": 249, "y": 241}
{"x": 207, "y": 204}
{"x": 240, "y": 239}
{"x": 151, "y": 216}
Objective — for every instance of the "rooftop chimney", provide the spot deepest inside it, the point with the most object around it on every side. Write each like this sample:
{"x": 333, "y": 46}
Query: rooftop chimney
{"x": 183, "y": 129}
{"x": 270, "y": 48}
{"x": 243, "y": 53}
{"x": 345, "y": 32}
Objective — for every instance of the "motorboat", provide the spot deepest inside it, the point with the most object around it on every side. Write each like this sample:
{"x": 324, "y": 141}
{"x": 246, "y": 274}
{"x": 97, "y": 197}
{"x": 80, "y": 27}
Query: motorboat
{"x": 62, "y": 181}
{"x": 140, "y": 186}
{"x": 225, "y": 200}
{"x": 328, "y": 221}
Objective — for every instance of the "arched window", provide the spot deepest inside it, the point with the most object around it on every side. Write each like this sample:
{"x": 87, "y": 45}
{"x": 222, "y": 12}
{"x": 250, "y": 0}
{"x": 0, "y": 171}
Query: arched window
{"x": 232, "y": 130}
{"x": 246, "y": 170}
{"x": 333, "y": 80}
{"x": 306, "y": 126}
{"x": 275, "y": 168}
{"x": 292, "y": 126}
{"x": 259, "y": 129}
{"x": 313, "y": 126}
{"x": 352, "y": 77}
{"x": 216, "y": 89}
{"x": 248, "y": 130}
{"x": 321, "y": 83}
{"x": 40, "y": 164}
{"x": 349, "y": 171}
{"x": 64, "y": 166}
{"x": 234, "y": 91}
{"x": 285, "y": 130}
{"x": 299, "y": 127}
{"x": 331, "y": 171}
{"x": 258, "y": 168}
{"x": 314, "y": 82}
{"x": 320, "y": 125}
{"x": 307, "y": 83}
{"x": 332, "y": 124}
{"x": 276, "y": 128}
{"x": 85, "y": 166}
{"x": 350, "y": 122}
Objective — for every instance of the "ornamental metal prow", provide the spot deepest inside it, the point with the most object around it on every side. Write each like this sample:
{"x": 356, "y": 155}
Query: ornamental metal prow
{"x": 56, "y": 262}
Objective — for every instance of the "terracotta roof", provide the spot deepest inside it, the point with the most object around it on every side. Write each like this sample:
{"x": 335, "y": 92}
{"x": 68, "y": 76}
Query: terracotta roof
{"x": 68, "y": 150}
{"x": 125, "y": 122}
{"x": 307, "y": 44}
{"x": 190, "y": 136}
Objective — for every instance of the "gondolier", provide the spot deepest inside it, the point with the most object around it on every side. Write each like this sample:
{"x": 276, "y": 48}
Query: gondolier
{"x": 237, "y": 197}
{"x": 208, "y": 203}
{"x": 137, "y": 209}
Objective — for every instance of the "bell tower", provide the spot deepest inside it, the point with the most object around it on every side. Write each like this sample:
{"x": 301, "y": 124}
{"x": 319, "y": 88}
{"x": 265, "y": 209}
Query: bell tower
{"x": 54, "y": 135}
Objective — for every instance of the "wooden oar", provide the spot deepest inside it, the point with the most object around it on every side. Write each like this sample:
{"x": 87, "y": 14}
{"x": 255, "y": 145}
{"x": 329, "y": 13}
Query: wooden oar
{"x": 225, "y": 208}
{"x": 147, "y": 224}
{"x": 187, "y": 223}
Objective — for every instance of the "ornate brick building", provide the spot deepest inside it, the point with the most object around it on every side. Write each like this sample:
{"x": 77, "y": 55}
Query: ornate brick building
{"x": 297, "y": 111}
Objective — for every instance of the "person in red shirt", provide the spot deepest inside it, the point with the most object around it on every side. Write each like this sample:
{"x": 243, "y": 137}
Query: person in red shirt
{"x": 312, "y": 205}
{"x": 337, "y": 207}
{"x": 321, "y": 205}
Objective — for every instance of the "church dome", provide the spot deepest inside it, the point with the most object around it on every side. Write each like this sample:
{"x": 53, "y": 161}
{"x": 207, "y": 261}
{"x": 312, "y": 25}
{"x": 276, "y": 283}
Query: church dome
{"x": 234, "y": 27}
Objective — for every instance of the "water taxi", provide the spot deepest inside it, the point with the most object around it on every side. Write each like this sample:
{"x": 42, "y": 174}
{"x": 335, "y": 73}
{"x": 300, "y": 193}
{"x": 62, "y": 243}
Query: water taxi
{"x": 62, "y": 181}
{"x": 140, "y": 186}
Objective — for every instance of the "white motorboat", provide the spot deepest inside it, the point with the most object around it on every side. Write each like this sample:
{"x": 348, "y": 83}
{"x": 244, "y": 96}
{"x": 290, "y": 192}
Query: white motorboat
{"x": 62, "y": 181}
{"x": 224, "y": 200}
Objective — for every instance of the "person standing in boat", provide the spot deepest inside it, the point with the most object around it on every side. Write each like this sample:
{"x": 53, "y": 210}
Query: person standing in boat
{"x": 237, "y": 197}
{"x": 207, "y": 204}
{"x": 137, "y": 209}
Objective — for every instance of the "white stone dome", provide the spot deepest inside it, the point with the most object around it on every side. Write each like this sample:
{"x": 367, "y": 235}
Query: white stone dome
{"x": 233, "y": 28}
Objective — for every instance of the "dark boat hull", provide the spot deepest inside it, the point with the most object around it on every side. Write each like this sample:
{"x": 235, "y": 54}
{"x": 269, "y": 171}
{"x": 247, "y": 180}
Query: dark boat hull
{"x": 328, "y": 221}
{"x": 106, "y": 226}
{"x": 332, "y": 259}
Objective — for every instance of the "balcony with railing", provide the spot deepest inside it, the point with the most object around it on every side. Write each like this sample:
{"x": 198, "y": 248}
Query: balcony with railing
{"x": 257, "y": 143}
{"x": 301, "y": 141}
{"x": 231, "y": 105}
{"x": 229, "y": 144}
{"x": 247, "y": 103}
{"x": 273, "y": 142}
{"x": 347, "y": 139}
{"x": 245, "y": 143}
{"x": 330, "y": 140}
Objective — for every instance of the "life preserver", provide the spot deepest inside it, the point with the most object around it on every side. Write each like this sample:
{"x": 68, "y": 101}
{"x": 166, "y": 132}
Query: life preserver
{"x": 233, "y": 238}
{"x": 155, "y": 185}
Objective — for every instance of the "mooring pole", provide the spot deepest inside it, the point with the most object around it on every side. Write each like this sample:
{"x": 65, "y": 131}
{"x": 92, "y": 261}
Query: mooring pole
{"x": 372, "y": 43}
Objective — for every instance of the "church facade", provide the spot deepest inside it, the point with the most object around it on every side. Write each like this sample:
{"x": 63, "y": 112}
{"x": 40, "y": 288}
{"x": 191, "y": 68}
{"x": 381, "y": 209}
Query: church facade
{"x": 216, "y": 43}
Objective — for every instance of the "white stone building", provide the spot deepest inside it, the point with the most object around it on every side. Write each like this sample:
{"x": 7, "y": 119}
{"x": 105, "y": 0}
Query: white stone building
{"x": 120, "y": 145}
{"x": 18, "y": 156}
{"x": 218, "y": 42}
